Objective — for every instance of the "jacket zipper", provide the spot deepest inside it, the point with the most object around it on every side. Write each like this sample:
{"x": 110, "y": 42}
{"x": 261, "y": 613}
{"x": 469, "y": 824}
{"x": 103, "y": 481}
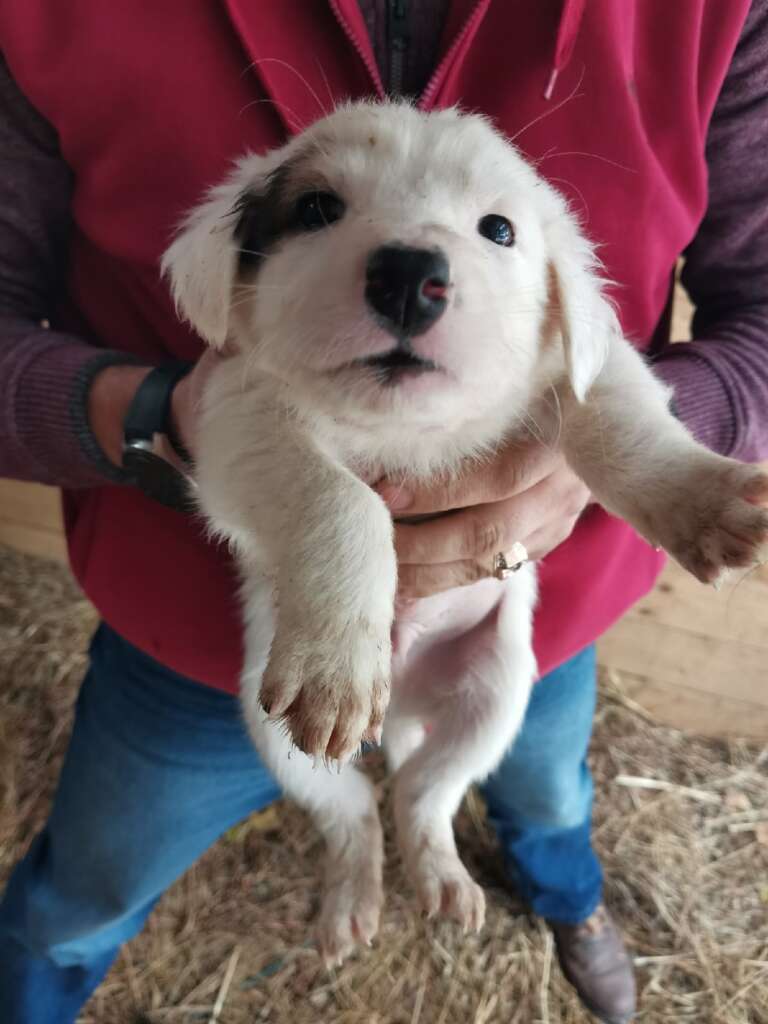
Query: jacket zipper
{"x": 425, "y": 101}
{"x": 428, "y": 95}
{"x": 397, "y": 31}
{"x": 370, "y": 65}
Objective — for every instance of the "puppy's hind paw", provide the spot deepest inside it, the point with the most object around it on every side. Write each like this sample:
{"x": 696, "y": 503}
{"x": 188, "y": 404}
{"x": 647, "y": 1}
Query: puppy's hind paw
{"x": 353, "y": 894}
{"x": 445, "y": 888}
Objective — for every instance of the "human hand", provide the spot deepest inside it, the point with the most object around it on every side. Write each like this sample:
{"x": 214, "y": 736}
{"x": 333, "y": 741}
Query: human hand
{"x": 525, "y": 493}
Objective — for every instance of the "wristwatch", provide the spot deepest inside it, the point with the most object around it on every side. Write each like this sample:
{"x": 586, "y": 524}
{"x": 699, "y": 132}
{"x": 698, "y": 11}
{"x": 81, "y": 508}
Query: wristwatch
{"x": 147, "y": 421}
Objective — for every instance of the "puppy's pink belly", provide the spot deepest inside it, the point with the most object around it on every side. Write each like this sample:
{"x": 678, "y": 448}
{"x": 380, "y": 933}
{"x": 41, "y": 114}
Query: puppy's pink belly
{"x": 425, "y": 628}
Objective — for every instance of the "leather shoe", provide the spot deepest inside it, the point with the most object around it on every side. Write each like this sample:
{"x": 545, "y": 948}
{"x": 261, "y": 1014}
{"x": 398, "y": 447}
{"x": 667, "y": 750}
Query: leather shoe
{"x": 595, "y": 961}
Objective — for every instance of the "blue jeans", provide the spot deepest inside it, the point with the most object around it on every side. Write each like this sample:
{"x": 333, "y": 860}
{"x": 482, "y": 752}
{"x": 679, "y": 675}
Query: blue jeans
{"x": 160, "y": 763}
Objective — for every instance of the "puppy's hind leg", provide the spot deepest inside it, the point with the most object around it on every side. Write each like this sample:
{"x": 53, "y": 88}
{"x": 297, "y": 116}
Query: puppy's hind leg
{"x": 343, "y": 807}
{"x": 483, "y": 682}
{"x": 401, "y": 738}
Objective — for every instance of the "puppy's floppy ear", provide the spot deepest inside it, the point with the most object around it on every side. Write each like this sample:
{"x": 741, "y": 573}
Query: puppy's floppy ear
{"x": 201, "y": 264}
{"x": 585, "y": 318}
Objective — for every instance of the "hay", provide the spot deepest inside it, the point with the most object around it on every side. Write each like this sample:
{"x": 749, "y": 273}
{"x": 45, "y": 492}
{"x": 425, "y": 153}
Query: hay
{"x": 683, "y": 836}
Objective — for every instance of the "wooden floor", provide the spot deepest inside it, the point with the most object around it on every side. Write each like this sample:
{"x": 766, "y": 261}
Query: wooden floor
{"x": 697, "y": 658}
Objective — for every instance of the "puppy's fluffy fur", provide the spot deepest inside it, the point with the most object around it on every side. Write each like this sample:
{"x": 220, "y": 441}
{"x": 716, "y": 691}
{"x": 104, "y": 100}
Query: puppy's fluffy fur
{"x": 299, "y": 417}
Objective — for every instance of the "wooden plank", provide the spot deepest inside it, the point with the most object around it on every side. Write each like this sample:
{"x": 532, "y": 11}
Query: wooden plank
{"x": 30, "y": 504}
{"x": 682, "y": 311}
{"x": 738, "y": 613}
{"x": 687, "y": 709}
{"x": 681, "y": 658}
{"x": 30, "y": 519}
{"x": 33, "y": 540}
{"x": 695, "y": 658}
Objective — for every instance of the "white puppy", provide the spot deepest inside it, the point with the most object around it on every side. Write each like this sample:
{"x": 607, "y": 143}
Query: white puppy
{"x": 401, "y": 291}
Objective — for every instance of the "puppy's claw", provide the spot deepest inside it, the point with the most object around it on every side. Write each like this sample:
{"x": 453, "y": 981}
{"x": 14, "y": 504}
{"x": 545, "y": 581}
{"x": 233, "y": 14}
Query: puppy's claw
{"x": 720, "y": 580}
{"x": 756, "y": 490}
{"x": 373, "y": 735}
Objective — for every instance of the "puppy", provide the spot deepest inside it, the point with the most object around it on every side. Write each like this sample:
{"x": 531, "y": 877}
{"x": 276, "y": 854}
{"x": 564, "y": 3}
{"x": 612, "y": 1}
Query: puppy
{"x": 400, "y": 292}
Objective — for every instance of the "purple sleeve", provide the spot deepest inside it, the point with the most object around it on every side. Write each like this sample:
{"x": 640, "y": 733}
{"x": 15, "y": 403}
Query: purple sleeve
{"x": 720, "y": 379}
{"x": 44, "y": 374}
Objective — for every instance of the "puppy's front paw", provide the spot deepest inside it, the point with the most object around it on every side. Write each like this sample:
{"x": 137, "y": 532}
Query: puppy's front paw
{"x": 709, "y": 517}
{"x": 330, "y": 686}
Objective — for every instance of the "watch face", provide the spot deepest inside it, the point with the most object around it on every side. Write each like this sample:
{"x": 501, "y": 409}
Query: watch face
{"x": 158, "y": 479}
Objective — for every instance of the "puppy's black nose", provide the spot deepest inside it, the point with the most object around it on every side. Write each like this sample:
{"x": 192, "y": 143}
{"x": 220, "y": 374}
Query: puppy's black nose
{"x": 407, "y": 288}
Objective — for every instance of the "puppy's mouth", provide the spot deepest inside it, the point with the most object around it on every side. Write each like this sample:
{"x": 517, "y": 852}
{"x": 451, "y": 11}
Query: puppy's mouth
{"x": 398, "y": 362}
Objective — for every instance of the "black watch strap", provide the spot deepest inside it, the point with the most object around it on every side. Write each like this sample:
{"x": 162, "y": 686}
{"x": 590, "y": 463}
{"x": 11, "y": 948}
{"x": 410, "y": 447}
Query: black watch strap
{"x": 148, "y": 415}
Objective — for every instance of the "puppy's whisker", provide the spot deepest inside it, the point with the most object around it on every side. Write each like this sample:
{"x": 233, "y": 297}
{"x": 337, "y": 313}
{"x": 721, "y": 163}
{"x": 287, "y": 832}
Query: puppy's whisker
{"x": 559, "y": 411}
{"x": 548, "y": 113}
{"x": 285, "y": 64}
{"x": 556, "y": 408}
{"x": 578, "y": 192}
{"x": 529, "y": 425}
{"x": 297, "y": 125}
{"x": 533, "y": 428}
{"x": 539, "y": 160}
{"x": 331, "y": 100}
{"x": 594, "y": 156}
{"x": 516, "y": 311}
{"x": 256, "y": 291}
{"x": 252, "y": 252}
{"x": 259, "y": 285}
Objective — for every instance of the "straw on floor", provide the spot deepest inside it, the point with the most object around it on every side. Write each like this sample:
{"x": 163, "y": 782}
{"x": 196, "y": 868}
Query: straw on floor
{"x": 681, "y": 825}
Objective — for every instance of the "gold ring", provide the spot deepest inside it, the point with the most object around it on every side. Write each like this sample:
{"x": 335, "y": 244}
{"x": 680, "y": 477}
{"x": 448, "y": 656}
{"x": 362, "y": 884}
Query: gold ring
{"x": 505, "y": 563}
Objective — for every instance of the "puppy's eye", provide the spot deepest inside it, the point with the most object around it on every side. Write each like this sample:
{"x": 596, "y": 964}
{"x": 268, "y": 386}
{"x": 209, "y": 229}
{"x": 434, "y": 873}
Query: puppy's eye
{"x": 497, "y": 229}
{"x": 317, "y": 210}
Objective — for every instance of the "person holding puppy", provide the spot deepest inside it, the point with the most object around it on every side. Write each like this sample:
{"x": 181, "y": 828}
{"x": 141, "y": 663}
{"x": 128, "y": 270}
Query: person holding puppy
{"x": 651, "y": 136}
